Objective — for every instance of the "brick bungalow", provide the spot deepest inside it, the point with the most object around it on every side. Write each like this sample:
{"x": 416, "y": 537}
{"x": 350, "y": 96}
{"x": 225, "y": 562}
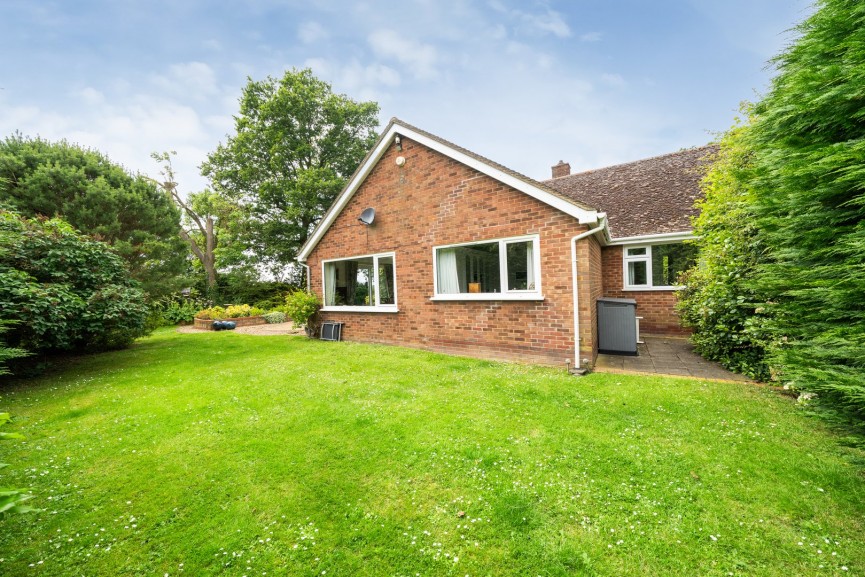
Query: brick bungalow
{"x": 466, "y": 256}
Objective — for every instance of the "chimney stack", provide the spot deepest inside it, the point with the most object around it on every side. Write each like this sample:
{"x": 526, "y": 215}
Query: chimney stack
{"x": 561, "y": 169}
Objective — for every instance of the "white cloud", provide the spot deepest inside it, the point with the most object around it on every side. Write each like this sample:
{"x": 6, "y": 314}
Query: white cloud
{"x": 591, "y": 37}
{"x": 311, "y": 32}
{"x": 361, "y": 82}
{"x": 551, "y": 22}
{"x": 90, "y": 96}
{"x": 615, "y": 80}
{"x": 419, "y": 58}
{"x": 546, "y": 22}
{"x": 181, "y": 107}
{"x": 188, "y": 79}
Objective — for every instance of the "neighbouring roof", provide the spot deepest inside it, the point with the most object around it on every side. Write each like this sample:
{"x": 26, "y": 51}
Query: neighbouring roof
{"x": 646, "y": 197}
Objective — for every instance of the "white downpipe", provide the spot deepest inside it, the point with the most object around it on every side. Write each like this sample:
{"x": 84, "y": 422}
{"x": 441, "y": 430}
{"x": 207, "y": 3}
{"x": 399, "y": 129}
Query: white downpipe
{"x": 574, "y": 240}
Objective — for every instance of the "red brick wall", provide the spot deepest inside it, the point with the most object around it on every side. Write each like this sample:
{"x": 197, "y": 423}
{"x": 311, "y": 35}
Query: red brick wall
{"x": 433, "y": 200}
{"x": 656, "y": 307}
{"x": 590, "y": 284}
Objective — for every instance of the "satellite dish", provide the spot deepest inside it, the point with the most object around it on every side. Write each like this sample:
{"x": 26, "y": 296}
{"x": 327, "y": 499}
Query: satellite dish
{"x": 367, "y": 216}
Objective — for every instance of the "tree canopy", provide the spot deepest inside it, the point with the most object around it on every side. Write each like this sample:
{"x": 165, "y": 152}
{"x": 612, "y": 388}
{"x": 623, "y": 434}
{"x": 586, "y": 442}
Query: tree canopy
{"x": 97, "y": 197}
{"x": 295, "y": 145}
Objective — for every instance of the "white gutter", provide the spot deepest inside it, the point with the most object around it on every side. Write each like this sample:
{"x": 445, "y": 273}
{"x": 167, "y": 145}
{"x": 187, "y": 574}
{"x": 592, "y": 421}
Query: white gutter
{"x": 653, "y": 238}
{"x": 602, "y": 220}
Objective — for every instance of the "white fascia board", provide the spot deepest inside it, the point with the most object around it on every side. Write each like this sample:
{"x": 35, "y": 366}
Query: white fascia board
{"x": 584, "y": 216}
{"x": 653, "y": 238}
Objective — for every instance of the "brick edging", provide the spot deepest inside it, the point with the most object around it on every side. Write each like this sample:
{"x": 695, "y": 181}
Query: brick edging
{"x": 207, "y": 324}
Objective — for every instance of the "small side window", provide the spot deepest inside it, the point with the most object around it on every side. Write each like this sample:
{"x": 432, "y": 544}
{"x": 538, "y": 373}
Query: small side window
{"x": 657, "y": 266}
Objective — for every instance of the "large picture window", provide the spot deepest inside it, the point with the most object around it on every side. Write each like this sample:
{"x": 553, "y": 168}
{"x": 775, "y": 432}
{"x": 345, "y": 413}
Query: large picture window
{"x": 364, "y": 283}
{"x": 500, "y": 269}
{"x": 657, "y": 266}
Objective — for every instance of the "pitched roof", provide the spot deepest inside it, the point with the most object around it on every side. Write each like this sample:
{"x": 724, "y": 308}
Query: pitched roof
{"x": 583, "y": 212}
{"x": 651, "y": 196}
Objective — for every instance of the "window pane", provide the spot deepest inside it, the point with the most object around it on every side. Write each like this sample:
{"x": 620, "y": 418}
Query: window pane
{"x": 641, "y": 251}
{"x": 386, "y": 294}
{"x": 637, "y": 273}
{"x": 670, "y": 260}
{"x": 331, "y": 270}
{"x": 468, "y": 269}
{"x": 521, "y": 266}
{"x": 349, "y": 283}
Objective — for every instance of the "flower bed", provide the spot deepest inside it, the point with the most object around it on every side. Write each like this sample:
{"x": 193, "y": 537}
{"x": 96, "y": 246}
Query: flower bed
{"x": 207, "y": 324}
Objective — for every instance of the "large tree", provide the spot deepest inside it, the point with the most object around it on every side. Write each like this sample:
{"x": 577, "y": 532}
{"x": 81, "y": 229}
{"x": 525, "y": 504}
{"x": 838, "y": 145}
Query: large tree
{"x": 99, "y": 198}
{"x": 808, "y": 145}
{"x": 296, "y": 144}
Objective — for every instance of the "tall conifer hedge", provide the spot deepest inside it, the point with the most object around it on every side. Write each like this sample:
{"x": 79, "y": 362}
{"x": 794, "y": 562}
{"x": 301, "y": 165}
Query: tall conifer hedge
{"x": 798, "y": 192}
{"x": 809, "y": 200}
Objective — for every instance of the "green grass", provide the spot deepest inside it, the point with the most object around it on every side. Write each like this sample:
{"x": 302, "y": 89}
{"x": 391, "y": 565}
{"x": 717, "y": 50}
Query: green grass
{"x": 225, "y": 454}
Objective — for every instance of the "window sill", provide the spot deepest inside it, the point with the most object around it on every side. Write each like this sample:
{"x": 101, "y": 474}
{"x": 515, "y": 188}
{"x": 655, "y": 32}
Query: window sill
{"x": 652, "y": 288}
{"x": 357, "y": 309}
{"x": 488, "y": 297}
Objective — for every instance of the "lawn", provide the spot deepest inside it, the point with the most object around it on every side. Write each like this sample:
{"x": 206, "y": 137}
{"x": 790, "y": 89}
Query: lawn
{"x": 228, "y": 454}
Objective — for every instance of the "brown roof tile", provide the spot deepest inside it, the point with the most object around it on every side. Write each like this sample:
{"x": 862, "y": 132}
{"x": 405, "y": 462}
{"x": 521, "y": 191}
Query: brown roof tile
{"x": 650, "y": 196}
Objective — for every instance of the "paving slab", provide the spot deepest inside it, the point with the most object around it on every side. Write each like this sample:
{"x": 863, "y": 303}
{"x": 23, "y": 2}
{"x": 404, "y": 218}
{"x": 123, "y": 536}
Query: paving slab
{"x": 663, "y": 355}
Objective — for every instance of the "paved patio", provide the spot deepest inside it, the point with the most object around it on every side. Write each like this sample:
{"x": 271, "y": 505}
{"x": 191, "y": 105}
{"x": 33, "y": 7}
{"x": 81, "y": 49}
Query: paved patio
{"x": 666, "y": 356}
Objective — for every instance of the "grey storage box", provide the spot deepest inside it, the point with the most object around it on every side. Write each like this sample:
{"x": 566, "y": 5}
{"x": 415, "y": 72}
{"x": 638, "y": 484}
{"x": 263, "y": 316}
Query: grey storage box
{"x": 617, "y": 326}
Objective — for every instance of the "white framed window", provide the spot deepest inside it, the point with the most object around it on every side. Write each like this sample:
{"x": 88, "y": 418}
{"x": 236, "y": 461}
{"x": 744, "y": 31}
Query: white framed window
{"x": 360, "y": 284}
{"x": 502, "y": 269}
{"x": 656, "y": 266}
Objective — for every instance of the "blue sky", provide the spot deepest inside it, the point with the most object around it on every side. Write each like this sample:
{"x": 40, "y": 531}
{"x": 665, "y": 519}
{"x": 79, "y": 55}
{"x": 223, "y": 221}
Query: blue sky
{"x": 591, "y": 82}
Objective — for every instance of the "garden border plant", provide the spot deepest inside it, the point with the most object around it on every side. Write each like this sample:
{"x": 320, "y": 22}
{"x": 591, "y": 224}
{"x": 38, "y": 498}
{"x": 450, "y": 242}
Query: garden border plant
{"x": 242, "y": 315}
{"x": 302, "y": 308}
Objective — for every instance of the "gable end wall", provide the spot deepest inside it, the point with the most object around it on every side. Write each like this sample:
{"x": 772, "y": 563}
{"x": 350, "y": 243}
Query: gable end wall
{"x": 434, "y": 200}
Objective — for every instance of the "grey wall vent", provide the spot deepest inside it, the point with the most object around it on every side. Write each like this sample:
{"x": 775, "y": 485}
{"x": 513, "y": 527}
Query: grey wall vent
{"x": 617, "y": 326}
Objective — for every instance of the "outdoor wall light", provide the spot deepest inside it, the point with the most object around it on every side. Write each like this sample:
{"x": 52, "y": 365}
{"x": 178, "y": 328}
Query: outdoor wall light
{"x": 398, "y": 142}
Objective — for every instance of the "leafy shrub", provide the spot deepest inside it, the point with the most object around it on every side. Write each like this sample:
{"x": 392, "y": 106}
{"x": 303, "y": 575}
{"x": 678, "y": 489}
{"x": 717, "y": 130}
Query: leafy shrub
{"x": 176, "y": 309}
{"x": 301, "y": 307}
{"x": 65, "y": 291}
{"x": 229, "y": 312}
{"x": 718, "y": 304}
{"x": 7, "y": 354}
{"x": 241, "y": 285}
{"x": 213, "y": 313}
{"x": 237, "y": 311}
{"x": 274, "y": 317}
